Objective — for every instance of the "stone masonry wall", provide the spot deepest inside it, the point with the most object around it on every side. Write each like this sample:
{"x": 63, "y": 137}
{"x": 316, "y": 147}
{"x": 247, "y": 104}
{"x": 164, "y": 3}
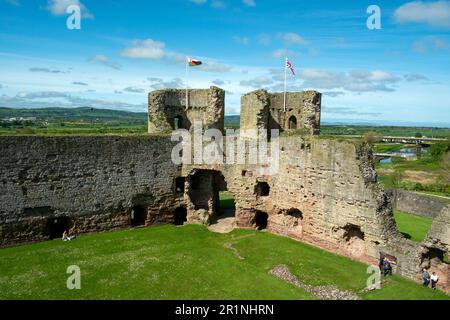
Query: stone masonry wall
{"x": 325, "y": 193}
{"x": 263, "y": 110}
{"x": 94, "y": 181}
{"x": 418, "y": 204}
{"x": 206, "y": 105}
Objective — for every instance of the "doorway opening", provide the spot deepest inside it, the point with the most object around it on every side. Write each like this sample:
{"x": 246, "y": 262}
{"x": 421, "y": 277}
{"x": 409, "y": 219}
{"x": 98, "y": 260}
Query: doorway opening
{"x": 262, "y": 189}
{"x": 292, "y": 123}
{"x": 261, "y": 218}
{"x": 56, "y": 226}
{"x": 180, "y": 216}
{"x": 138, "y": 216}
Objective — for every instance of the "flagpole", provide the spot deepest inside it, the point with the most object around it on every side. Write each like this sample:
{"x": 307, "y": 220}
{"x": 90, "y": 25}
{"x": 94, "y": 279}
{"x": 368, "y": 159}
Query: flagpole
{"x": 186, "y": 77}
{"x": 285, "y": 82}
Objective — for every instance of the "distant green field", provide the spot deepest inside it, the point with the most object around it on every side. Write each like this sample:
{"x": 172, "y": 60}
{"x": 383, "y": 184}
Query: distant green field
{"x": 384, "y": 131}
{"x": 189, "y": 262}
{"x": 88, "y": 120}
{"x": 412, "y": 226}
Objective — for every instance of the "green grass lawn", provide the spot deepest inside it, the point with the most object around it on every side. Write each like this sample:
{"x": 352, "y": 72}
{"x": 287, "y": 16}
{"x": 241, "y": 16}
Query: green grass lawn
{"x": 226, "y": 200}
{"x": 189, "y": 262}
{"x": 412, "y": 226}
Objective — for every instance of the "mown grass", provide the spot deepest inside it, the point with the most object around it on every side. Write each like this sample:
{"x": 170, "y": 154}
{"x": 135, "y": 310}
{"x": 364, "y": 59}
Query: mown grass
{"x": 386, "y": 147}
{"x": 413, "y": 227}
{"x": 226, "y": 200}
{"x": 189, "y": 262}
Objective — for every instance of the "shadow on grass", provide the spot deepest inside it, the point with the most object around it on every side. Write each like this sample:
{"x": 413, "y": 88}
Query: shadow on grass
{"x": 406, "y": 235}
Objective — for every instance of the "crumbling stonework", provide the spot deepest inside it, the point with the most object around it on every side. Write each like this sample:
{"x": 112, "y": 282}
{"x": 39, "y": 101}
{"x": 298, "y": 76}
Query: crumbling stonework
{"x": 263, "y": 110}
{"x": 418, "y": 203}
{"x": 92, "y": 182}
{"x": 168, "y": 109}
{"x": 325, "y": 191}
{"x": 439, "y": 235}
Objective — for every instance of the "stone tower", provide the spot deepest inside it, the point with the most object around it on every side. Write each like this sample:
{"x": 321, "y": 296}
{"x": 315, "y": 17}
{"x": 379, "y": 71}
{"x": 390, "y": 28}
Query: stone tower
{"x": 263, "y": 110}
{"x": 168, "y": 110}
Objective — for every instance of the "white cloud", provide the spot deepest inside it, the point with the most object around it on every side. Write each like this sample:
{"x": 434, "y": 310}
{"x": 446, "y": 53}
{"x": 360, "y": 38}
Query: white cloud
{"x": 133, "y": 90}
{"x": 435, "y": 13}
{"x": 79, "y": 83}
{"x": 212, "y": 66}
{"x": 415, "y": 77}
{"x": 45, "y": 70}
{"x": 59, "y": 7}
{"x": 145, "y": 49}
{"x": 105, "y": 61}
{"x": 48, "y": 99}
{"x": 258, "y": 82}
{"x": 241, "y": 40}
{"x": 249, "y": 3}
{"x": 291, "y": 38}
{"x": 431, "y": 43}
{"x": 264, "y": 39}
{"x": 158, "y": 83}
{"x": 355, "y": 81}
{"x": 281, "y": 53}
{"x": 333, "y": 94}
{"x": 217, "y": 4}
{"x": 218, "y": 82}
{"x": 13, "y": 2}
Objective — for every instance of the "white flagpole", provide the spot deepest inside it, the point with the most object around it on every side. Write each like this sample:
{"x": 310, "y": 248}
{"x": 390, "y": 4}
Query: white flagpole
{"x": 186, "y": 76}
{"x": 285, "y": 82}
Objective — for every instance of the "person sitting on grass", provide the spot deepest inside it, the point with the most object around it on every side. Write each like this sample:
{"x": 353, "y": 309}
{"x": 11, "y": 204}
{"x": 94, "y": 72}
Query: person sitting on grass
{"x": 65, "y": 236}
{"x": 425, "y": 278}
{"x": 73, "y": 232}
{"x": 434, "y": 280}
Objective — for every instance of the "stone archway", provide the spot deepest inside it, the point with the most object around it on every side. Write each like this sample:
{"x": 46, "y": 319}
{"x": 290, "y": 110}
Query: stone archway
{"x": 56, "y": 226}
{"x": 202, "y": 195}
{"x": 292, "y": 124}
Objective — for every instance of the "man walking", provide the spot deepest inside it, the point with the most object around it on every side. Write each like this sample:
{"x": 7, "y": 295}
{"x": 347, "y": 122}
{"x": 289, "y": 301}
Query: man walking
{"x": 425, "y": 278}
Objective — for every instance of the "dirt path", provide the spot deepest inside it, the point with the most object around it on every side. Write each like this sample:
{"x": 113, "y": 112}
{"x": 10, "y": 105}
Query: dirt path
{"x": 223, "y": 225}
{"x": 235, "y": 251}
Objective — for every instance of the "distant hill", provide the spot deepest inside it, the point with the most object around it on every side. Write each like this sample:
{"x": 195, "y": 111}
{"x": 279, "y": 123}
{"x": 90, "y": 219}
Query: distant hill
{"x": 87, "y": 114}
{"x": 75, "y": 114}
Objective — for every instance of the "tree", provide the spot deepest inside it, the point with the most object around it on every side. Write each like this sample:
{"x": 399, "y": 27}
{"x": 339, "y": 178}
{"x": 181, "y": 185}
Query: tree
{"x": 371, "y": 137}
{"x": 418, "y": 135}
{"x": 439, "y": 149}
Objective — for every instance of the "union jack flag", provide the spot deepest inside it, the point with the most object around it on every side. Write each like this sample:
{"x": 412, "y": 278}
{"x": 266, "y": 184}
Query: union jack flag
{"x": 289, "y": 65}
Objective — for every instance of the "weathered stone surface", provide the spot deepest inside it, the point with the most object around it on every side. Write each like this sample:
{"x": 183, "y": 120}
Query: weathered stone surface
{"x": 439, "y": 235}
{"x": 167, "y": 106}
{"x": 94, "y": 181}
{"x": 418, "y": 204}
{"x": 325, "y": 192}
{"x": 263, "y": 110}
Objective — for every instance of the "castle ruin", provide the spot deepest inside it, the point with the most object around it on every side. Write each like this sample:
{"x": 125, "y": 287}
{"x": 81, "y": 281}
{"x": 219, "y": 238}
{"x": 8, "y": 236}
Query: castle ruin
{"x": 325, "y": 192}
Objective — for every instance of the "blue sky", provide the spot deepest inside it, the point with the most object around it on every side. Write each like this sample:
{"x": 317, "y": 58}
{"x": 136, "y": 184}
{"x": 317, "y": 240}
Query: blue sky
{"x": 124, "y": 49}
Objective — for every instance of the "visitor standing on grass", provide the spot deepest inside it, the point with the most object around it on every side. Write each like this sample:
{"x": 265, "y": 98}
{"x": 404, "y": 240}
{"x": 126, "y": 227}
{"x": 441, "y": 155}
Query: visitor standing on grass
{"x": 434, "y": 280}
{"x": 426, "y": 278}
{"x": 381, "y": 263}
{"x": 387, "y": 267}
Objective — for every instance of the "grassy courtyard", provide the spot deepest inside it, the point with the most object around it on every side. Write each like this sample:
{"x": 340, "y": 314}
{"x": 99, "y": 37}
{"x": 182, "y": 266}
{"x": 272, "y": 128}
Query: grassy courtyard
{"x": 412, "y": 226}
{"x": 189, "y": 262}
